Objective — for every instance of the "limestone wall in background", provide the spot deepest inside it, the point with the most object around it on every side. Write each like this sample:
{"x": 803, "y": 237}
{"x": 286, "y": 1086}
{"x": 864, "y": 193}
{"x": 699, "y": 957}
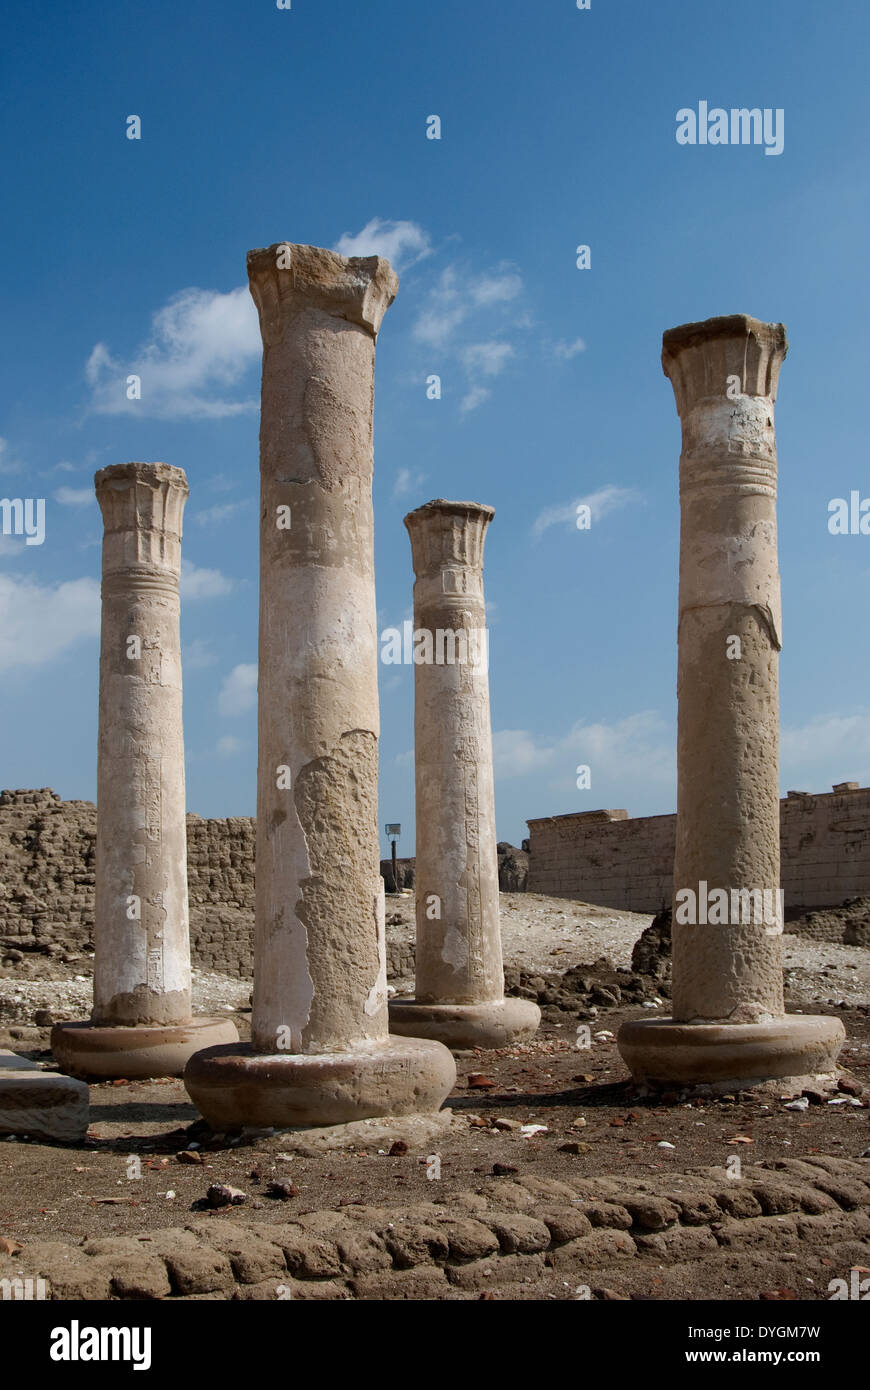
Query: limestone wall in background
{"x": 608, "y": 858}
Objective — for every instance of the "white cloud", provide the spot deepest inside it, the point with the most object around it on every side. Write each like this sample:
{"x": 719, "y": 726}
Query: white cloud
{"x": 198, "y": 582}
{"x": 8, "y": 464}
{"x": 496, "y": 288}
{"x": 38, "y": 622}
{"x": 75, "y": 496}
{"x": 830, "y": 748}
{"x": 401, "y": 243}
{"x": 407, "y": 482}
{"x": 196, "y": 655}
{"x": 628, "y": 757}
{"x": 202, "y": 344}
{"x": 515, "y": 753}
{"x": 473, "y": 398}
{"x": 228, "y": 746}
{"x": 568, "y": 350}
{"x": 211, "y": 516}
{"x": 607, "y": 499}
{"x": 487, "y": 359}
{"x": 456, "y": 295}
{"x": 238, "y": 692}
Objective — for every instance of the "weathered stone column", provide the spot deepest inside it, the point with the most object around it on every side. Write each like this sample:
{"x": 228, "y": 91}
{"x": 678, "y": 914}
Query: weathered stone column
{"x": 728, "y": 1021}
{"x": 141, "y": 1023}
{"x": 321, "y": 1051}
{"x": 459, "y": 995}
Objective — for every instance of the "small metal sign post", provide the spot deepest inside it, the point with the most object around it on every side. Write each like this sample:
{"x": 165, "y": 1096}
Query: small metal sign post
{"x": 393, "y": 833}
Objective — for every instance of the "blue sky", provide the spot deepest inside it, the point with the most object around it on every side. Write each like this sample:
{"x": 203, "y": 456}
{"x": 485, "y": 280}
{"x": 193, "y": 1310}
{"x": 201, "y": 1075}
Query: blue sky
{"x": 558, "y": 128}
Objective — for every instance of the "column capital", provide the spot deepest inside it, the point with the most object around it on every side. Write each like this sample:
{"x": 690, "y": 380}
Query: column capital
{"x": 448, "y": 535}
{"x": 142, "y": 506}
{"x": 285, "y": 279}
{"x": 698, "y": 358}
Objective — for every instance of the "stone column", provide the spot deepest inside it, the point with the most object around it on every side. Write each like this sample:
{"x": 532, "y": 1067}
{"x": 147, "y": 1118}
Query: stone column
{"x": 141, "y": 1024}
{"x": 459, "y": 995}
{"x": 321, "y": 1051}
{"x": 728, "y": 1022}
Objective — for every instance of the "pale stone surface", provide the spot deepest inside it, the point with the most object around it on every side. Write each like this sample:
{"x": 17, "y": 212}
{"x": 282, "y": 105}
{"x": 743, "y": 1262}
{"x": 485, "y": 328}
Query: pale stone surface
{"x": 459, "y": 995}
{"x": 724, "y": 373}
{"x": 40, "y": 1103}
{"x": 728, "y": 725}
{"x": 141, "y": 938}
{"x": 142, "y": 965}
{"x": 321, "y": 1051}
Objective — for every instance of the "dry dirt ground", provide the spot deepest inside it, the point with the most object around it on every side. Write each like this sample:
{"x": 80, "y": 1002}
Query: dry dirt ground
{"x": 515, "y": 1111}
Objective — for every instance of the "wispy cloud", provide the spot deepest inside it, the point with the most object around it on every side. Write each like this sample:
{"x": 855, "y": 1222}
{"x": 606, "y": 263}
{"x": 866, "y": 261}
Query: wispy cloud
{"x": 238, "y": 692}
{"x": 407, "y": 481}
{"x": 489, "y": 359}
{"x": 228, "y": 746}
{"x": 459, "y": 306}
{"x": 455, "y": 297}
{"x": 8, "y": 463}
{"x": 213, "y": 516}
{"x": 636, "y": 754}
{"x": 75, "y": 496}
{"x": 196, "y": 655}
{"x": 198, "y": 582}
{"x": 830, "y": 748}
{"x": 481, "y": 361}
{"x": 601, "y": 503}
{"x": 39, "y": 622}
{"x": 473, "y": 398}
{"x": 202, "y": 344}
{"x": 566, "y": 351}
{"x": 402, "y": 243}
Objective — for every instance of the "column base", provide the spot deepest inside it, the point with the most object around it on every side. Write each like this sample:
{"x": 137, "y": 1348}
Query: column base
{"x": 496, "y": 1023}
{"x": 661, "y": 1051}
{"x": 236, "y": 1086}
{"x": 107, "y": 1051}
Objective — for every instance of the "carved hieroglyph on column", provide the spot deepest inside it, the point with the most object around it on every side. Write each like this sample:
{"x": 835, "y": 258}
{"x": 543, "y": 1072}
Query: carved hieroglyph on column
{"x": 321, "y": 1051}
{"x": 141, "y": 1023}
{"x": 728, "y": 1019}
{"x": 459, "y": 995}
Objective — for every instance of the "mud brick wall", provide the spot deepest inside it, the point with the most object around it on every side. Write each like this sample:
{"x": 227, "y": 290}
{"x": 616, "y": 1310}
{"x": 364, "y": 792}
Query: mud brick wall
{"x": 47, "y": 884}
{"x": 47, "y": 881}
{"x": 608, "y": 858}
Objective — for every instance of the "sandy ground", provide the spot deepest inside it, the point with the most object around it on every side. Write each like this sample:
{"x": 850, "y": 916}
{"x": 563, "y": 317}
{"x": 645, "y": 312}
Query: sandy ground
{"x": 588, "y": 1118}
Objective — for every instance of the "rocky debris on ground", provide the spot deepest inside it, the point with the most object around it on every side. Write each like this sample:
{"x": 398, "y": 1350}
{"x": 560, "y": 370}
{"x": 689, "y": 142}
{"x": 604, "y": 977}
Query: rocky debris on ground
{"x": 651, "y": 955}
{"x": 513, "y": 868}
{"x": 584, "y": 989}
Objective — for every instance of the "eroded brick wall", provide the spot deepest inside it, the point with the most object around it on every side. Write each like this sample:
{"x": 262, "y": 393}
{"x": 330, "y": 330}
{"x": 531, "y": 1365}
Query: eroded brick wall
{"x": 47, "y": 880}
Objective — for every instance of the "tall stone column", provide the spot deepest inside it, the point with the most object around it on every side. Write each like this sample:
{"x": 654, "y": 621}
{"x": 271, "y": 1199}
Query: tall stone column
{"x": 728, "y": 1022}
{"x": 321, "y": 1051}
{"x": 141, "y": 1024}
{"x": 460, "y": 981}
